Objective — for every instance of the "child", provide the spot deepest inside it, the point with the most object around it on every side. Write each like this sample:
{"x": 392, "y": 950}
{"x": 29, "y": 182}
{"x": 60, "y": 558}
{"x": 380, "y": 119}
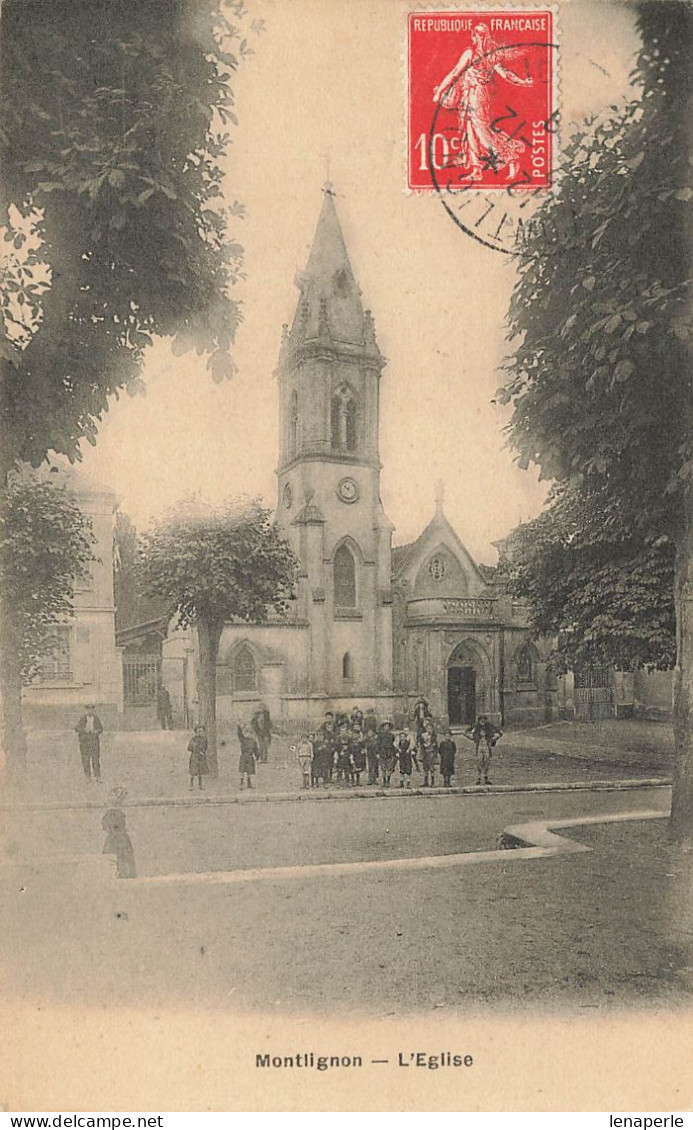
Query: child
{"x": 305, "y": 758}
{"x": 387, "y": 755}
{"x": 246, "y": 762}
{"x": 407, "y": 756}
{"x": 447, "y": 750}
{"x": 197, "y": 746}
{"x": 428, "y": 744}
{"x": 484, "y": 735}
{"x": 371, "y": 744}
{"x": 358, "y": 757}
{"x": 343, "y": 759}
{"x": 322, "y": 762}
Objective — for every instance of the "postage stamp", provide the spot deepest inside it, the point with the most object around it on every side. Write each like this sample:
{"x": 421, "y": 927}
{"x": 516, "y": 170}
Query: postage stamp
{"x": 481, "y": 91}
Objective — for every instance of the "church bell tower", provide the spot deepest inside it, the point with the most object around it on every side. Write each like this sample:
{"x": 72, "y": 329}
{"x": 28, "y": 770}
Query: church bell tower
{"x": 329, "y": 504}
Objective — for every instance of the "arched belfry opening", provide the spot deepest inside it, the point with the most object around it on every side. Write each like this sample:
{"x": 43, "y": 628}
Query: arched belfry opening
{"x": 344, "y": 419}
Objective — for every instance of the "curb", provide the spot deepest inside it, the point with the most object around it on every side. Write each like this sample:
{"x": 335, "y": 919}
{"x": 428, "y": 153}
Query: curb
{"x": 354, "y": 794}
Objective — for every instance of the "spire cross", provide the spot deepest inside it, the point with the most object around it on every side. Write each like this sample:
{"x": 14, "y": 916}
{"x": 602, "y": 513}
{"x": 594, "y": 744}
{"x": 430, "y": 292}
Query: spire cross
{"x": 440, "y": 494}
{"x": 328, "y": 187}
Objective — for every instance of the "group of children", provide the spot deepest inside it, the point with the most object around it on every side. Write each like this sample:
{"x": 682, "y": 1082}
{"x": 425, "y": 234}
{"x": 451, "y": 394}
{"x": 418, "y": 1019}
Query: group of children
{"x": 347, "y": 746}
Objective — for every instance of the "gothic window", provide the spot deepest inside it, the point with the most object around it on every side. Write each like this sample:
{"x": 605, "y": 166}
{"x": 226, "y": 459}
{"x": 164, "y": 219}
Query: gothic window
{"x": 56, "y": 665}
{"x": 293, "y": 423}
{"x": 344, "y": 578}
{"x": 244, "y": 674}
{"x": 347, "y": 666}
{"x": 344, "y": 420}
{"x": 525, "y": 665}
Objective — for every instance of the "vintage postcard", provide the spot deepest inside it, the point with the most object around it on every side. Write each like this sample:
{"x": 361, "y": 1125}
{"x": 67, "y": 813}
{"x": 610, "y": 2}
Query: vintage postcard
{"x": 346, "y": 556}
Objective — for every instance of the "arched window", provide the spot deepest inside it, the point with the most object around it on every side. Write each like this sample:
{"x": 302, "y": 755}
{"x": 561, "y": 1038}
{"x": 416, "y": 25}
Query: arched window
{"x": 525, "y": 665}
{"x": 351, "y": 425}
{"x": 344, "y": 578}
{"x": 344, "y": 420}
{"x": 244, "y": 672}
{"x": 347, "y": 666}
{"x": 293, "y": 423}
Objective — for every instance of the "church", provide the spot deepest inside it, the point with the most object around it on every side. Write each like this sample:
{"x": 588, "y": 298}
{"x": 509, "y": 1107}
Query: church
{"x": 368, "y": 624}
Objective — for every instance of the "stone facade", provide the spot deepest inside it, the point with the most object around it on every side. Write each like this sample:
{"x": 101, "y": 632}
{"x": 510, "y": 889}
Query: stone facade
{"x": 86, "y": 665}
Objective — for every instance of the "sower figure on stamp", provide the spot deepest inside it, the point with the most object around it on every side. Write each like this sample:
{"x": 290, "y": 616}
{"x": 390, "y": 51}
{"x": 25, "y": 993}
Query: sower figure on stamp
{"x": 468, "y": 89}
{"x": 484, "y": 735}
{"x": 88, "y": 731}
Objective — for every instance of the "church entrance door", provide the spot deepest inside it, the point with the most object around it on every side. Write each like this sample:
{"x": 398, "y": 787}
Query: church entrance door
{"x": 461, "y": 696}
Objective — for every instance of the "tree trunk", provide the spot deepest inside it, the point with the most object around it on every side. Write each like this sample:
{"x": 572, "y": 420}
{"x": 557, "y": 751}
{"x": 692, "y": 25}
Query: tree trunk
{"x": 681, "y": 824}
{"x": 13, "y": 736}
{"x": 209, "y": 635}
{"x": 12, "y": 725}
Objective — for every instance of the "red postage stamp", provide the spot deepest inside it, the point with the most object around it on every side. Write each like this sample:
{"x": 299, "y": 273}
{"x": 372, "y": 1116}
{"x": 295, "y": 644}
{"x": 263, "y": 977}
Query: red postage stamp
{"x": 481, "y": 92}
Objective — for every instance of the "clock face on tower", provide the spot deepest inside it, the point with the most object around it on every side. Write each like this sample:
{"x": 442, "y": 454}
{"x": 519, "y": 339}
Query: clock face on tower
{"x": 348, "y": 490}
{"x": 288, "y": 496}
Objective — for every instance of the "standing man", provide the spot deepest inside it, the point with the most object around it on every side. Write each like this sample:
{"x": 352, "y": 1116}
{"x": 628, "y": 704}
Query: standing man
{"x": 88, "y": 730}
{"x": 421, "y": 714}
{"x": 484, "y": 735}
{"x": 261, "y": 725}
{"x": 164, "y": 711}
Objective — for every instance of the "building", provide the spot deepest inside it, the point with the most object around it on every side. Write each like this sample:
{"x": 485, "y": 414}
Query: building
{"x": 367, "y": 625}
{"x": 85, "y": 664}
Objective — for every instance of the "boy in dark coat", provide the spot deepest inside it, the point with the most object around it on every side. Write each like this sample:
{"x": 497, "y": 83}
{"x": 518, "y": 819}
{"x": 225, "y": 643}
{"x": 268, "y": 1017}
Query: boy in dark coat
{"x": 197, "y": 746}
{"x": 447, "y": 750}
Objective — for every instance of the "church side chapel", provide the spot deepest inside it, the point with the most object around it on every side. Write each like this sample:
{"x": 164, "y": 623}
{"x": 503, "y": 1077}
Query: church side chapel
{"x": 369, "y": 624}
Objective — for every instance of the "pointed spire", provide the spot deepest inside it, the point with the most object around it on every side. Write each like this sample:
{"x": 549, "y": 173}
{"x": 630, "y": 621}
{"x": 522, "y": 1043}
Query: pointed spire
{"x": 330, "y": 306}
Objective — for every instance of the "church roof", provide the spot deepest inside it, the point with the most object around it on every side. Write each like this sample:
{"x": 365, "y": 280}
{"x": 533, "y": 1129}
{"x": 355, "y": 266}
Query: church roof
{"x": 330, "y": 308}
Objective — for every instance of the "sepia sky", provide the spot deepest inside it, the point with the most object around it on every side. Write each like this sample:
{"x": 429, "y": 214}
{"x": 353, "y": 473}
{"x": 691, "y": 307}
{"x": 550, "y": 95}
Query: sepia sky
{"x": 326, "y": 84}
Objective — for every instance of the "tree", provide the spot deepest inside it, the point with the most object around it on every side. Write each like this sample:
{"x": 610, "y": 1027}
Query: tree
{"x": 132, "y": 606}
{"x": 213, "y": 565}
{"x": 46, "y": 544}
{"x": 600, "y": 590}
{"x": 112, "y": 118}
{"x": 601, "y": 320}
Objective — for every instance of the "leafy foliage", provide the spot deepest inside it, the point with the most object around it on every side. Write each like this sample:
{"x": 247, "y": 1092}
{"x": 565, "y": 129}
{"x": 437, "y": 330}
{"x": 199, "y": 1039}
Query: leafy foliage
{"x": 595, "y": 585}
{"x": 218, "y": 563}
{"x": 601, "y": 314}
{"x": 46, "y": 544}
{"x": 112, "y": 128}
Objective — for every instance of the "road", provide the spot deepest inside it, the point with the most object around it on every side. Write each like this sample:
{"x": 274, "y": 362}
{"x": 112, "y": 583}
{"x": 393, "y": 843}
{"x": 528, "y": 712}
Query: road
{"x": 595, "y": 930}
